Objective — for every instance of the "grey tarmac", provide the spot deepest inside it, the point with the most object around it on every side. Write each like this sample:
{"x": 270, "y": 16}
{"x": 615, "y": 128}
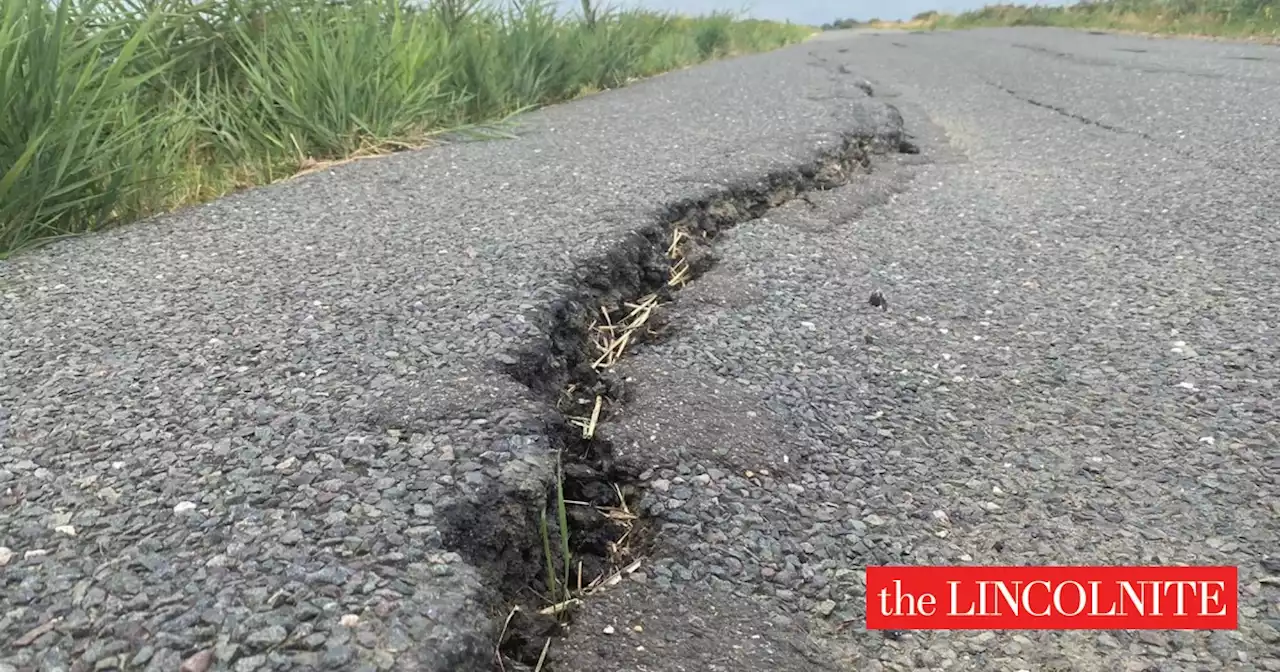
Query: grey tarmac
{"x": 1077, "y": 364}
{"x": 305, "y": 427}
{"x": 291, "y": 429}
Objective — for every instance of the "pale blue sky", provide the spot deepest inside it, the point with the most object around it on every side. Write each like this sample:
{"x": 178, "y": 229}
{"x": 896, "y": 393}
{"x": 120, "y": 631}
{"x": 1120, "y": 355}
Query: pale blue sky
{"x": 814, "y": 12}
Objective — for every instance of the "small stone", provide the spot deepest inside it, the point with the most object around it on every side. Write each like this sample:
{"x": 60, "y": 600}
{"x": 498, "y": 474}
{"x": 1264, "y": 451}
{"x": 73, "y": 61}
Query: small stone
{"x": 825, "y": 607}
{"x": 336, "y": 656}
{"x": 35, "y": 554}
{"x": 5, "y": 555}
{"x": 349, "y": 620}
{"x": 250, "y": 664}
{"x": 183, "y": 507}
{"x": 608, "y": 629}
{"x": 272, "y": 635}
{"x": 873, "y": 520}
{"x": 68, "y": 530}
{"x": 1152, "y": 638}
{"x": 1266, "y": 632}
{"x": 225, "y": 651}
{"x": 199, "y": 662}
{"x": 143, "y": 655}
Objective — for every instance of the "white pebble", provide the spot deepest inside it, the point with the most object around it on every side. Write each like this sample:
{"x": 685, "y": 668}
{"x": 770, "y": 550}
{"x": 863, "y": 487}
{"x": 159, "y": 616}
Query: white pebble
{"x": 65, "y": 529}
{"x": 608, "y": 629}
{"x": 5, "y": 555}
{"x": 349, "y": 620}
{"x": 183, "y": 507}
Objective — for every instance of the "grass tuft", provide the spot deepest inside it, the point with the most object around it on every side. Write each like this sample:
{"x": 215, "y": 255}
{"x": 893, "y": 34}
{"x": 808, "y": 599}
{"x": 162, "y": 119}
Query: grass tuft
{"x": 114, "y": 110}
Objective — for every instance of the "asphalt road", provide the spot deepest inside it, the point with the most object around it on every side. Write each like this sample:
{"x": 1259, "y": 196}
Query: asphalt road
{"x": 1078, "y": 365}
{"x": 305, "y": 427}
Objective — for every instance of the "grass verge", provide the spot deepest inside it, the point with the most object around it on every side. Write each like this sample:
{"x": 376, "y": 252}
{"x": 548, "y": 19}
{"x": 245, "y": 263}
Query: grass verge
{"x": 114, "y": 110}
{"x": 1256, "y": 19}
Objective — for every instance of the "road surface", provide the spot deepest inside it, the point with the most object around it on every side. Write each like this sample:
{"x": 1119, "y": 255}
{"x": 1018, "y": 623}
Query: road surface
{"x": 310, "y": 426}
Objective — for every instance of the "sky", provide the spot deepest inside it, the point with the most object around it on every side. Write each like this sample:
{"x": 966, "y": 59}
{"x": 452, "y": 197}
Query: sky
{"x": 814, "y": 12}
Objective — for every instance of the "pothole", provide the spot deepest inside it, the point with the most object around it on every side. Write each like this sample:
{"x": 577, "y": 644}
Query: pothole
{"x": 617, "y": 305}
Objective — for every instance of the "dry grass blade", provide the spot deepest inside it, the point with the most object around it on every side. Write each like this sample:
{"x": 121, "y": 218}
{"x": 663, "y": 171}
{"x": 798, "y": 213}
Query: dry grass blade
{"x": 503, "y": 635}
{"x": 543, "y": 658}
{"x": 679, "y": 274}
{"x": 622, "y": 501}
{"x": 673, "y": 250}
{"x": 560, "y": 607}
{"x": 618, "y": 514}
{"x": 589, "y": 431}
{"x": 610, "y": 580}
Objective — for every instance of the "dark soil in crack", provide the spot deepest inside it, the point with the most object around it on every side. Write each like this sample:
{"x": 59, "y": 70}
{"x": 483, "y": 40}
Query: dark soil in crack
{"x": 503, "y": 535}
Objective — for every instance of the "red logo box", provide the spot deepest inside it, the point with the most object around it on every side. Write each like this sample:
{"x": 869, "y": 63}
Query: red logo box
{"x": 1051, "y": 598}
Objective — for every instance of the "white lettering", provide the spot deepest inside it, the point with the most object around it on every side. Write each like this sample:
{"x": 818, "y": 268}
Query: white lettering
{"x": 1057, "y": 598}
{"x": 955, "y": 598}
{"x": 1216, "y": 597}
{"x": 1026, "y": 598}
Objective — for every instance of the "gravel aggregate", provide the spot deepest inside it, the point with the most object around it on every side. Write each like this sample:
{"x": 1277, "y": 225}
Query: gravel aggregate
{"x": 1077, "y": 364}
{"x": 279, "y": 432}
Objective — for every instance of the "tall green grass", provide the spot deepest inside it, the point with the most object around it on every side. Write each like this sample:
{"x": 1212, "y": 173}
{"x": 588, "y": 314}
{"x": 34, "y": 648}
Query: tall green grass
{"x": 117, "y": 109}
{"x": 1229, "y": 18}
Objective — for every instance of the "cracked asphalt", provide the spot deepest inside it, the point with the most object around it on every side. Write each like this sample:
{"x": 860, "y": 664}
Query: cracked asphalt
{"x": 278, "y": 432}
{"x": 1078, "y": 365}
{"x": 253, "y": 432}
